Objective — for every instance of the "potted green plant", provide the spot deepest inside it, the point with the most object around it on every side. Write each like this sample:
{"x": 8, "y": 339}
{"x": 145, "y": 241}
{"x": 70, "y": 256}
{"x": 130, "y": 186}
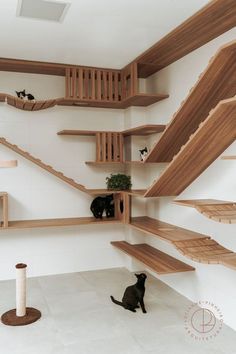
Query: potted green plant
{"x": 118, "y": 182}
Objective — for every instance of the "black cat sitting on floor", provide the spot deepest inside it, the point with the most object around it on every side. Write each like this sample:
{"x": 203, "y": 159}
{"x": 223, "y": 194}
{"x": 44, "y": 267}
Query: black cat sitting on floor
{"x": 133, "y": 295}
{"x": 101, "y": 204}
{"x": 24, "y": 96}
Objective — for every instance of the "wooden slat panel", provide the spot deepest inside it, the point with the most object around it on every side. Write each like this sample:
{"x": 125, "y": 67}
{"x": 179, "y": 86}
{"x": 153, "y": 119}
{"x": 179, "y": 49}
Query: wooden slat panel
{"x": 154, "y": 259}
{"x": 99, "y": 85}
{"x": 121, "y": 147}
{"x": 199, "y": 152}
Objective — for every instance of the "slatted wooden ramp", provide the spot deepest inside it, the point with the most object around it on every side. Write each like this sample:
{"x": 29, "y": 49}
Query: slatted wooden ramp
{"x": 218, "y": 210}
{"x": 41, "y": 164}
{"x": 210, "y": 140}
{"x": 158, "y": 261}
{"x": 216, "y": 83}
{"x": 198, "y": 247}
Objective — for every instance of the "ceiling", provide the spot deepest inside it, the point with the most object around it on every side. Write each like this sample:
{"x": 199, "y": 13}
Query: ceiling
{"x": 103, "y": 33}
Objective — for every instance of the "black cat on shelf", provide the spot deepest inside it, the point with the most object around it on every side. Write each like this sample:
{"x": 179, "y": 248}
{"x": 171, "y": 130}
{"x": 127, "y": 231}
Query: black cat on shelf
{"x": 101, "y": 204}
{"x": 133, "y": 295}
{"x": 25, "y": 96}
{"x": 143, "y": 153}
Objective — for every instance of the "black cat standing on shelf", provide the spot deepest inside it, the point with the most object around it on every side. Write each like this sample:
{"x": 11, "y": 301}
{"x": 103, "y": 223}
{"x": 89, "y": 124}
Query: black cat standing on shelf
{"x": 25, "y": 96}
{"x": 101, "y": 204}
{"x": 133, "y": 295}
{"x": 143, "y": 153}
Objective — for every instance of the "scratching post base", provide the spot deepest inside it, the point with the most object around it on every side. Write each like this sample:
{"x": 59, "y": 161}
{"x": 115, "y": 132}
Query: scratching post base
{"x": 9, "y": 318}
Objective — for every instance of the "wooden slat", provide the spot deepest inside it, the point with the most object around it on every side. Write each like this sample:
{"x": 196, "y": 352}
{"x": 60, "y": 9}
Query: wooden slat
{"x": 109, "y": 147}
{"x": 115, "y": 147}
{"x": 99, "y": 85}
{"x": 4, "y": 198}
{"x": 104, "y": 146}
{"x": 74, "y": 82}
{"x": 98, "y": 147}
{"x": 3, "y": 97}
{"x": 110, "y": 85}
{"x": 104, "y": 79}
{"x": 211, "y": 21}
{"x": 232, "y": 157}
{"x": 67, "y": 82}
{"x": 93, "y": 85}
{"x": 199, "y": 152}
{"x": 86, "y": 84}
{"x": 81, "y": 83}
{"x": 154, "y": 259}
{"x": 121, "y": 147}
{"x": 216, "y": 83}
{"x": 116, "y": 86}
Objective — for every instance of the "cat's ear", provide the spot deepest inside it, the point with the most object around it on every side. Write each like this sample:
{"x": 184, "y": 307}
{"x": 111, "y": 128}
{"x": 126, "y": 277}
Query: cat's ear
{"x": 137, "y": 275}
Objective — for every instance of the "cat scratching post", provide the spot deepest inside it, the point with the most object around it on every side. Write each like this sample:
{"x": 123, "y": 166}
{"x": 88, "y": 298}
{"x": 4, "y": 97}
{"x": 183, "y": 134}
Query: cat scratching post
{"x": 22, "y": 315}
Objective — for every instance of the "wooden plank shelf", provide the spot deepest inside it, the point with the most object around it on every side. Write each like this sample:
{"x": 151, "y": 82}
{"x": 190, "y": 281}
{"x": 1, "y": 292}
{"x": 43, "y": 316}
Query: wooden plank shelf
{"x": 158, "y": 261}
{"x": 232, "y": 157}
{"x": 138, "y": 100}
{"x": 208, "y": 23}
{"x": 133, "y": 192}
{"x": 216, "y": 83}
{"x": 60, "y": 222}
{"x": 8, "y": 164}
{"x": 210, "y": 140}
{"x": 101, "y": 163}
{"x": 163, "y": 230}
{"x": 142, "y": 130}
{"x": 198, "y": 247}
{"x": 218, "y": 210}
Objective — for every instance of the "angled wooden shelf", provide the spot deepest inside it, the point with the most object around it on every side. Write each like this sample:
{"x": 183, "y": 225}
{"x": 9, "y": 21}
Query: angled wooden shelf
{"x": 142, "y": 130}
{"x": 41, "y": 164}
{"x": 216, "y": 83}
{"x": 198, "y": 247}
{"x": 163, "y": 230}
{"x": 60, "y": 222}
{"x": 218, "y": 210}
{"x": 229, "y": 157}
{"x": 158, "y": 261}
{"x": 208, "y": 23}
{"x": 210, "y": 140}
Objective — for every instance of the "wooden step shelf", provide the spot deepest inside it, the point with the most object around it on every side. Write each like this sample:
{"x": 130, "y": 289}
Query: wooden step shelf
{"x": 198, "y": 247}
{"x": 232, "y": 157}
{"x": 27, "y": 105}
{"x": 218, "y": 210}
{"x": 62, "y": 222}
{"x": 216, "y": 83}
{"x": 158, "y": 261}
{"x": 211, "y": 139}
{"x": 4, "y": 205}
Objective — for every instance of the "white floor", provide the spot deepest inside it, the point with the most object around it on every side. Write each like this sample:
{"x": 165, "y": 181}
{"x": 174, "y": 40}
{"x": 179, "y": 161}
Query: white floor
{"x": 79, "y": 318}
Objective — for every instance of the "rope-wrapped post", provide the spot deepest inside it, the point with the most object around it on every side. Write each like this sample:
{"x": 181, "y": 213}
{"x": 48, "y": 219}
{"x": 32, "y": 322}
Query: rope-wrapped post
{"x": 22, "y": 315}
{"x": 21, "y": 289}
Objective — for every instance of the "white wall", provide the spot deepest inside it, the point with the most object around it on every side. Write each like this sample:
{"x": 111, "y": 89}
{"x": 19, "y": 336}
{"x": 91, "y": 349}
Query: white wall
{"x": 208, "y": 282}
{"x": 36, "y": 194}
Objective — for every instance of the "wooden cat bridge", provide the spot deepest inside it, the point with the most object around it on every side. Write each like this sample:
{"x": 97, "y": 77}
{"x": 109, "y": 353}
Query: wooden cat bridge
{"x": 203, "y": 127}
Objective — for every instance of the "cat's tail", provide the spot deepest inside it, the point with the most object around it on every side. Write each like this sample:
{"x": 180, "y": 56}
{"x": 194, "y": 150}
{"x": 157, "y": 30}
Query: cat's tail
{"x": 116, "y": 302}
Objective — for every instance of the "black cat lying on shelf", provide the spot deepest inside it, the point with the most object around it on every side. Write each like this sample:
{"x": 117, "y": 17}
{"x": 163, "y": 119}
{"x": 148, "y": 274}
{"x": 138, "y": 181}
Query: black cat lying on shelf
{"x": 101, "y": 204}
{"x": 133, "y": 295}
{"x": 25, "y": 96}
